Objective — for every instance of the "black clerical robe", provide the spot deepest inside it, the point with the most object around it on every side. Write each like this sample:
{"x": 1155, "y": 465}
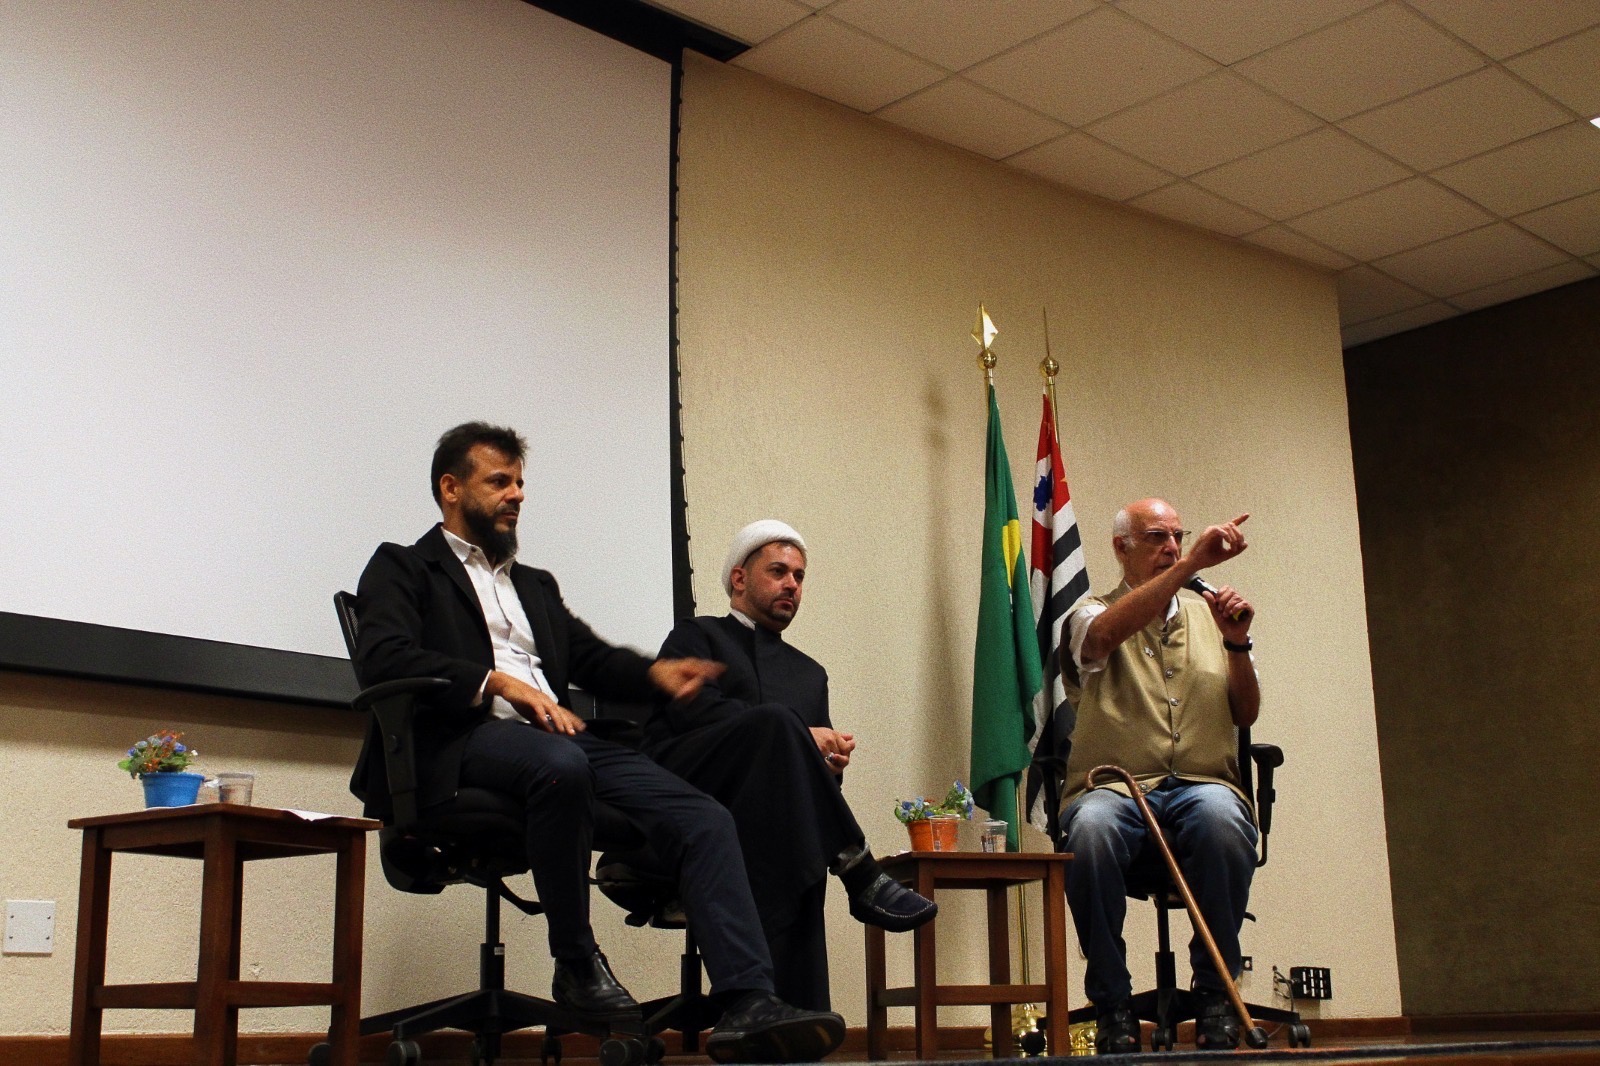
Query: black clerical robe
{"x": 746, "y": 740}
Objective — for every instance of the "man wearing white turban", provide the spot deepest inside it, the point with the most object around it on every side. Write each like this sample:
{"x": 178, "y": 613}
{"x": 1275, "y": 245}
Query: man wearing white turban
{"x": 759, "y": 739}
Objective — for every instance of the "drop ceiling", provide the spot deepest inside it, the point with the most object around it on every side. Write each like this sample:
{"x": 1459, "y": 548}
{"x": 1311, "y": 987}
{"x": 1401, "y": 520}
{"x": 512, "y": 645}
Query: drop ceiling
{"x": 1436, "y": 155}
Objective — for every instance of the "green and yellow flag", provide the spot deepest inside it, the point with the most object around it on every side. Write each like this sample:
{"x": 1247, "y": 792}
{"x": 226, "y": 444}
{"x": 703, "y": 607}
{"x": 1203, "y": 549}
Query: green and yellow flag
{"x": 1005, "y": 668}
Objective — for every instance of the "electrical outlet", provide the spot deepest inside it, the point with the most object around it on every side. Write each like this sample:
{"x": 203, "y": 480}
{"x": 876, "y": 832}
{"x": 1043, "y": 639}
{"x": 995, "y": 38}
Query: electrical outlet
{"x": 1311, "y": 982}
{"x": 30, "y": 926}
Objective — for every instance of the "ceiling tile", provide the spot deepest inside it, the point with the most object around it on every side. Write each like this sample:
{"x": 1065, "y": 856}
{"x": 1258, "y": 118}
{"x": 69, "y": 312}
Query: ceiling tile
{"x": 1204, "y": 124}
{"x": 1081, "y": 162}
{"x": 1573, "y": 225}
{"x": 842, "y": 64}
{"x": 1296, "y": 246}
{"x": 1366, "y": 294}
{"x": 1461, "y": 118}
{"x": 1415, "y": 318}
{"x": 1297, "y": 176}
{"x": 1089, "y": 68}
{"x": 1505, "y": 27}
{"x": 751, "y": 21}
{"x": 960, "y": 113}
{"x": 1544, "y": 169}
{"x": 1471, "y": 260}
{"x": 1567, "y": 70}
{"x": 1185, "y": 203}
{"x": 1526, "y": 285}
{"x": 1371, "y": 59}
{"x": 1392, "y": 219}
{"x": 957, "y": 33}
{"x": 1230, "y": 30}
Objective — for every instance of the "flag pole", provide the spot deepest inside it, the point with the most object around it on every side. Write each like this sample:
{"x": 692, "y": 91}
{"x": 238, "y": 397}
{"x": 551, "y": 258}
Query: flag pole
{"x": 1024, "y": 1016}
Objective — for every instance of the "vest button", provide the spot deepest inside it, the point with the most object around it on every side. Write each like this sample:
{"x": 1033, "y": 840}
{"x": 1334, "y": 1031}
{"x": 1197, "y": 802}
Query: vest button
{"x": 1177, "y": 737}
{"x": 1173, "y": 701}
{"x": 1170, "y": 671}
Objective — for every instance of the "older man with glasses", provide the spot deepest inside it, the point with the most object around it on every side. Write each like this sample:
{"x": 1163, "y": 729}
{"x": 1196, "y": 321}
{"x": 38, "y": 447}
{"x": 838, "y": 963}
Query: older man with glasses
{"x": 1161, "y": 677}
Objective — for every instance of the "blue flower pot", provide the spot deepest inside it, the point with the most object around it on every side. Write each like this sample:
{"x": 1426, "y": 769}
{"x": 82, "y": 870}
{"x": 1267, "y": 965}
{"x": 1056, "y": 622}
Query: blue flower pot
{"x": 173, "y": 789}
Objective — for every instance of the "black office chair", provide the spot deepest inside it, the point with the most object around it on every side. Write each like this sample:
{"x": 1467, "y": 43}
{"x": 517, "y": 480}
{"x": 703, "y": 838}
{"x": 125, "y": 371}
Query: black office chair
{"x": 1166, "y": 1005}
{"x": 475, "y": 839}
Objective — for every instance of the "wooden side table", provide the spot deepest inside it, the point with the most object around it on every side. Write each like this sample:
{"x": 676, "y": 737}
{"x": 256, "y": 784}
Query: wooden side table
{"x": 223, "y": 837}
{"x": 929, "y": 871}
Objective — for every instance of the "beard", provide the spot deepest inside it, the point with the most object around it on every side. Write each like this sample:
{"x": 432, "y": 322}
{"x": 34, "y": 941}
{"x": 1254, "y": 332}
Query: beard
{"x": 496, "y": 544}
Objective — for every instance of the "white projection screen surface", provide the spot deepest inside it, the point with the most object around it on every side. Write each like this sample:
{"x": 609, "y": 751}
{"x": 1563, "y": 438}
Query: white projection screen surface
{"x": 255, "y": 257}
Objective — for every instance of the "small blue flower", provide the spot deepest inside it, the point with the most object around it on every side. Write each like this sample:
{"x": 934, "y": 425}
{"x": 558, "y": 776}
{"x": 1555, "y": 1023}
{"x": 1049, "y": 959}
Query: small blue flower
{"x": 180, "y": 749}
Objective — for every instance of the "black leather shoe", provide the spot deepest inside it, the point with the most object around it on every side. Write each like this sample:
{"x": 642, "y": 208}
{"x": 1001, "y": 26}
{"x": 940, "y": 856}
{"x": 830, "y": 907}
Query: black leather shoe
{"x": 589, "y": 990}
{"x": 763, "y": 1028}
{"x": 1116, "y": 1030}
{"x": 888, "y": 904}
{"x": 1216, "y": 1028}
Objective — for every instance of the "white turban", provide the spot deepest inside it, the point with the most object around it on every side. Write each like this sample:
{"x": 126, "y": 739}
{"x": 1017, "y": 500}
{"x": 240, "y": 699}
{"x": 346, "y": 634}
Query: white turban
{"x": 753, "y": 537}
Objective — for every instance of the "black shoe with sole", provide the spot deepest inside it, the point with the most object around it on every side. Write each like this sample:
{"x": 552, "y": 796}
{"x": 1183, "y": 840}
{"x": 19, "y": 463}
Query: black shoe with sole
{"x": 588, "y": 989}
{"x": 1116, "y": 1030}
{"x": 1216, "y": 1028}
{"x": 887, "y": 904}
{"x": 760, "y": 1027}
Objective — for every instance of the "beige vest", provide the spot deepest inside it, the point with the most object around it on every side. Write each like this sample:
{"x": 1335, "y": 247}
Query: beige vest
{"x": 1160, "y": 707}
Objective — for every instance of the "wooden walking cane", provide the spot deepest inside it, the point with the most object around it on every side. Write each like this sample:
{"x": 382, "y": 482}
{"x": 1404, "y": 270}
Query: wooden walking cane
{"x": 1254, "y": 1035}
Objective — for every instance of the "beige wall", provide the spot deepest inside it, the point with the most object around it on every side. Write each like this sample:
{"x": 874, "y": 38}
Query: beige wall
{"x": 830, "y": 270}
{"x": 830, "y": 267}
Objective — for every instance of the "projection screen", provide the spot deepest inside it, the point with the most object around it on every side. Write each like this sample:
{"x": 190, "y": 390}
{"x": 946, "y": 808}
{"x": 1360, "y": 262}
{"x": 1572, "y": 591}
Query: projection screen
{"x": 257, "y": 256}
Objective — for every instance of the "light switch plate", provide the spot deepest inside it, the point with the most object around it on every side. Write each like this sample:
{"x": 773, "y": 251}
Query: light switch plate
{"x": 30, "y": 926}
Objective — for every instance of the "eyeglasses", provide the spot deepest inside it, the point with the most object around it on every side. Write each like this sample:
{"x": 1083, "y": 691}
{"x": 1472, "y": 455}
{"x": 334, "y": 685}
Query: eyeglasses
{"x": 1157, "y": 538}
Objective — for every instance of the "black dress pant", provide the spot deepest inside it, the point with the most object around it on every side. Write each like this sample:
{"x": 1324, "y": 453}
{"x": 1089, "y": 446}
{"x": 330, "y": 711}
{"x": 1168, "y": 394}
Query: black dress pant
{"x": 559, "y": 779}
{"x": 764, "y": 766}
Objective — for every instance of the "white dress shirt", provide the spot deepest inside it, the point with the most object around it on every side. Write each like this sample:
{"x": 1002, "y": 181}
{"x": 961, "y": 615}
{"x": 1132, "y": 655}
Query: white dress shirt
{"x": 509, "y": 631}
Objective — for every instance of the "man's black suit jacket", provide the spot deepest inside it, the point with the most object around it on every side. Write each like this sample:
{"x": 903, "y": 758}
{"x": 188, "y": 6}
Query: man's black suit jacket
{"x": 419, "y": 617}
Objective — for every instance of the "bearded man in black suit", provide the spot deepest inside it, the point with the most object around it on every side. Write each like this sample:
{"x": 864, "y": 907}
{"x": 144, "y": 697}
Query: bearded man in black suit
{"x": 456, "y": 605}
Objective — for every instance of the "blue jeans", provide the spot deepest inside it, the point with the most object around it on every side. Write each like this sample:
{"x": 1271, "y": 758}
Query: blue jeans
{"x": 1213, "y": 837}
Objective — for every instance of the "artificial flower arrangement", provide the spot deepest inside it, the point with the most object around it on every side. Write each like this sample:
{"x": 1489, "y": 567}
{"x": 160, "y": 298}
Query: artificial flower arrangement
{"x": 956, "y": 803}
{"x": 162, "y": 753}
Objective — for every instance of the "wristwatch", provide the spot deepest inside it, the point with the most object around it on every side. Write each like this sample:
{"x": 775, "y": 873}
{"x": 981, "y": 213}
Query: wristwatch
{"x": 1239, "y": 649}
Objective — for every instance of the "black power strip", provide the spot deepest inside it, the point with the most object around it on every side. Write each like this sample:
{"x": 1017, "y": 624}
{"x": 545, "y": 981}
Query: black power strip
{"x": 1311, "y": 982}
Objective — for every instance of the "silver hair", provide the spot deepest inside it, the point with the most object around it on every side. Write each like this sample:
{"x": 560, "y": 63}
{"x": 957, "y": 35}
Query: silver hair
{"x": 1122, "y": 527}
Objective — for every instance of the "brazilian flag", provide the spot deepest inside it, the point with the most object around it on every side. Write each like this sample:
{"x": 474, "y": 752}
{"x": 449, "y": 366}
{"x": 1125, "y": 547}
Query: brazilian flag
{"x": 1005, "y": 667}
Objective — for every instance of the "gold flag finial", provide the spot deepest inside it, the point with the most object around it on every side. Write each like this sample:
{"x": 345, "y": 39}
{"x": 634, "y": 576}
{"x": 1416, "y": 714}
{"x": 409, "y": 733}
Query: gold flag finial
{"x": 985, "y": 333}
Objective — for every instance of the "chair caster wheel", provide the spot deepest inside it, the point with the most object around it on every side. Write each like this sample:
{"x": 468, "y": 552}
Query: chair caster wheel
{"x": 1299, "y": 1035}
{"x": 626, "y": 1052}
{"x": 1163, "y": 1039}
{"x": 485, "y": 1050}
{"x": 320, "y": 1055}
{"x": 550, "y": 1050}
{"x": 405, "y": 1053}
{"x": 1032, "y": 1044}
{"x": 655, "y": 1049}
{"x": 1256, "y": 1037}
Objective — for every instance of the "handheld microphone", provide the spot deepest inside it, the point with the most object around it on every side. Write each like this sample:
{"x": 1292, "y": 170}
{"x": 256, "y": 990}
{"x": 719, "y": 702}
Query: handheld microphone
{"x": 1201, "y": 585}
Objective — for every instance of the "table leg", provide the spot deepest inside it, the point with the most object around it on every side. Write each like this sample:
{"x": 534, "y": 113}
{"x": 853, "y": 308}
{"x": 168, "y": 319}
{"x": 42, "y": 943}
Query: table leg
{"x": 926, "y": 950}
{"x": 89, "y": 973}
{"x": 216, "y": 1021}
{"x": 1054, "y": 890}
{"x": 344, "y": 1022}
{"x": 877, "y": 981}
{"x": 999, "y": 969}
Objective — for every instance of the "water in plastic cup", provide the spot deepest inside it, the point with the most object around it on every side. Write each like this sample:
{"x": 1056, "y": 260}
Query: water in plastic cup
{"x": 236, "y": 788}
{"x": 994, "y": 836}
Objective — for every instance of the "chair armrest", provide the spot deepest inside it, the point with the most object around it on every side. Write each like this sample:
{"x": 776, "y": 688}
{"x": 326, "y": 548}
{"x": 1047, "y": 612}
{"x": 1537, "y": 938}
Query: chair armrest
{"x": 393, "y": 705}
{"x": 1267, "y": 758}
